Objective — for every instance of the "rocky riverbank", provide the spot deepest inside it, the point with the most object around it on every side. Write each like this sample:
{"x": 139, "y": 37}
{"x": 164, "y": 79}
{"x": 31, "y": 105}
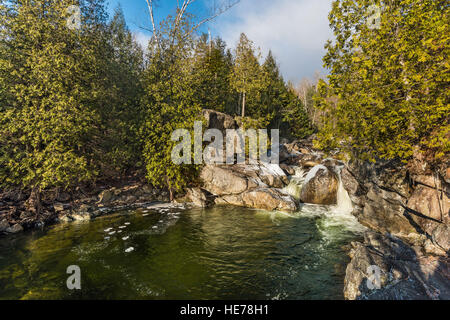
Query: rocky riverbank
{"x": 17, "y": 215}
{"x": 407, "y": 211}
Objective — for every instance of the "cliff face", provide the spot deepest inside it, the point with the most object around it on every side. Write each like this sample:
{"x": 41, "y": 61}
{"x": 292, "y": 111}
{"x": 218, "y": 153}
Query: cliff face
{"x": 407, "y": 211}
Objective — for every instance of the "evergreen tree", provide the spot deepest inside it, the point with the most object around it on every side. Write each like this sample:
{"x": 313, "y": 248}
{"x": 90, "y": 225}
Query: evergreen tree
{"x": 275, "y": 93}
{"x": 388, "y": 87}
{"x": 170, "y": 104}
{"x": 46, "y": 122}
{"x": 249, "y": 79}
{"x": 212, "y": 69}
{"x": 121, "y": 112}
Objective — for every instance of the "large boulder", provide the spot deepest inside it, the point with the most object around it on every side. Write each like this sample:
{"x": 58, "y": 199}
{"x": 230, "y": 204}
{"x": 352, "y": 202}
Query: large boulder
{"x": 224, "y": 181}
{"x": 198, "y": 197}
{"x": 320, "y": 186}
{"x": 219, "y": 120}
{"x": 16, "y": 228}
{"x": 263, "y": 198}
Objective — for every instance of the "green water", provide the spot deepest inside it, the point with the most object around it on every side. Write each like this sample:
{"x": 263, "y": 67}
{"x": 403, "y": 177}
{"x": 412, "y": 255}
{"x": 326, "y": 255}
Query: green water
{"x": 218, "y": 253}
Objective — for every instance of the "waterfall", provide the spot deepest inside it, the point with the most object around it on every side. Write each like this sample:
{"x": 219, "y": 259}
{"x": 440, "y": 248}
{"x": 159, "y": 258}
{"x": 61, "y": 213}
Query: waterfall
{"x": 344, "y": 203}
{"x": 294, "y": 188}
{"x": 341, "y": 213}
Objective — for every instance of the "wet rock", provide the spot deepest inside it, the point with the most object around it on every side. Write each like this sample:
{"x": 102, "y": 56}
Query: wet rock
{"x": 290, "y": 170}
{"x": 64, "y": 216}
{"x": 320, "y": 186}
{"x": 16, "y": 228}
{"x": 81, "y": 216}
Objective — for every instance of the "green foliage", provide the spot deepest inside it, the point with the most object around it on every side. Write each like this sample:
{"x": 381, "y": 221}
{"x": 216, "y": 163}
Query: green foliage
{"x": 212, "y": 67}
{"x": 249, "y": 79}
{"x": 295, "y": 121}
{"x": 388, "y": 87}
{"x": 120, "y": 107}
{"x": 45, "y": 119}
{"x": 70, "y": 98}
{"x": 81, "y": 105}
{"x": 170, "y": 104}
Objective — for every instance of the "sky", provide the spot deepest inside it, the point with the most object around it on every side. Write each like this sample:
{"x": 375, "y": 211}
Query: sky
{"x": 295, "y": 30}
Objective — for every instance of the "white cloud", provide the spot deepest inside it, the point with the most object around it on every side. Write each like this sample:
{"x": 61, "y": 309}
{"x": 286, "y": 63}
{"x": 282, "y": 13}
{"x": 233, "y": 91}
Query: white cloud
{"x": 142, "y": 38}
{"x": 295, "y": 31}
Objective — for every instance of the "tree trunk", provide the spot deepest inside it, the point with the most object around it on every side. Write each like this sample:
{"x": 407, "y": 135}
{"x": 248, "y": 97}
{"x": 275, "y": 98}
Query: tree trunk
{"x": 34, "y": 201}
{"x": 171, "y": 198}
{"x": 243, "y": 105}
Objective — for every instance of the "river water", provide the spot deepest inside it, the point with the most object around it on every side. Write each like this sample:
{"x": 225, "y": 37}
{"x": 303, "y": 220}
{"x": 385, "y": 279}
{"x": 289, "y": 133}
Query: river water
{"x": 216, "y": 253}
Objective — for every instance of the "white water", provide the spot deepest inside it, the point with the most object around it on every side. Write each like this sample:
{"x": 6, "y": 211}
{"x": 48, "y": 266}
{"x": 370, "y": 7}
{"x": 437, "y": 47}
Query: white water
{"x": 341, "y": 213}
{"x": 332, "y": 217}
{"x": 312, "y": 173}
{"x": 294, "y": 188}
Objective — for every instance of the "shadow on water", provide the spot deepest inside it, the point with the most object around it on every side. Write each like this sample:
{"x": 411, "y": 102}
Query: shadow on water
{"x": 217, "y": 253}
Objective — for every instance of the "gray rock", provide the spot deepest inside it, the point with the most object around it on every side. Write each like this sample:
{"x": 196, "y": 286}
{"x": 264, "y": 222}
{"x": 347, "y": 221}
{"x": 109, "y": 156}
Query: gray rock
{"x": 199, "y": 197}
{"x": 4, "y": 225}
{"x": 264, "y": 198}
{"x": 14, "y": 229}
{"x": 404, "y": 273}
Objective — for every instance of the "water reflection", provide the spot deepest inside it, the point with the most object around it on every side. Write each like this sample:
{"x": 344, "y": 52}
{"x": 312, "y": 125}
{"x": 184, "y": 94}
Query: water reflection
{"x": 218, "y": 253}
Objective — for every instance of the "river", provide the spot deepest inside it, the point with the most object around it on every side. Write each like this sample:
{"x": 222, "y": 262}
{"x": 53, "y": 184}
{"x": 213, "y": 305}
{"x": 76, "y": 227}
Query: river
{"x": 216, "y": 253}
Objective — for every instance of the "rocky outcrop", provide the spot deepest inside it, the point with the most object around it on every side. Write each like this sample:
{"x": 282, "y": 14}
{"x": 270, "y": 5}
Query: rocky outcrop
{"x": 219, "y": 120}
{"x": 386, "y": 268}
{"x": 198, "y": 197}
{"x": 264, "y": 198}
{"x": 254, "y": 186}
{"x": 388, "y": 198}
{"x": 320, "y": 186}
{"x": 408, "y": 213}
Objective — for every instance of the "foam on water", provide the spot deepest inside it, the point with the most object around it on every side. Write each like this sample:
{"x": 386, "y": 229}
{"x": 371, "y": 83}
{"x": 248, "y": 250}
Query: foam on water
{"x": 332, "y": 218}
{"x": 294, "y": 188}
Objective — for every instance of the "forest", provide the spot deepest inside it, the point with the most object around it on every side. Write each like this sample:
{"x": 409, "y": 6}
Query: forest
{"x": 79, "y": 106}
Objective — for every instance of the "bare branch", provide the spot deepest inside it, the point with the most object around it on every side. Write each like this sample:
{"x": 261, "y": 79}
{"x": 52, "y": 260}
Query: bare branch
{"x": 150, "y": 9}
{"x": 179, "y": 17}
{"x": 214, "y": 15}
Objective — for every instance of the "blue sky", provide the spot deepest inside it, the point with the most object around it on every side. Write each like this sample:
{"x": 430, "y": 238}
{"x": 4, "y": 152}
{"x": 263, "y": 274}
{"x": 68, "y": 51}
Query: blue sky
{"x": 295, "y": 30}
